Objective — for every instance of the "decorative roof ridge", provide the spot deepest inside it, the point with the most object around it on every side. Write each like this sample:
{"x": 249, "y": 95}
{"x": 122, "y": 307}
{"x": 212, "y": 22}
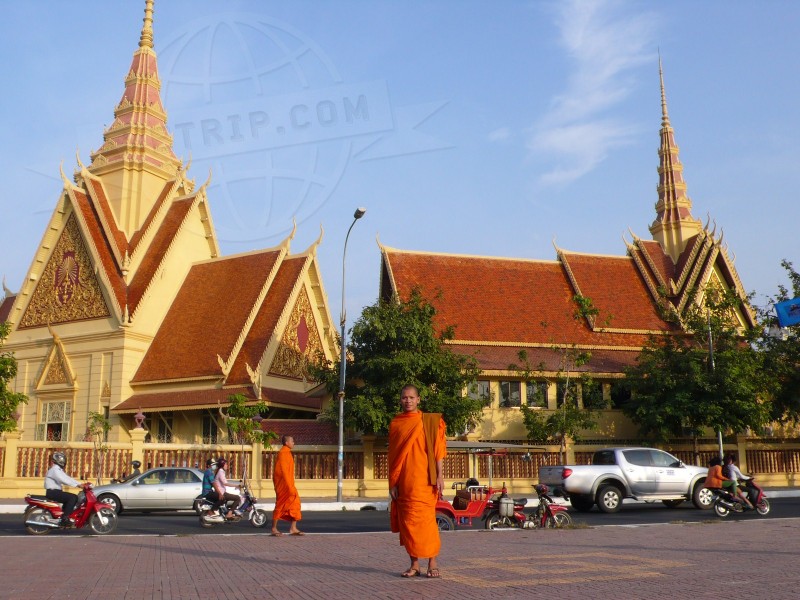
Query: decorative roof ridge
{"x": 312, "y": 248}
{"x": 574, "y": 281}
{"x": 239, "y": 255}
{"x": 642, "y": 247}
{"x": 386, "y": 266}
{"x": 160, "y": 267}
{"x": 254, "y": 310}
{"x": 391, "y": 250}
{"x": 698, "y": 243}
{"x": 593, "y": 255}
{"x": 99, "y": 268}
{"x": 144, "y": 384}
{"x": 156, "y": 215}
{"x": 636, "y": 254}
{"x": 699, "y": 267}
{"x": 103, "y": 210}
{"x": 737, "y": 282}
{"x": 456, "y": 342}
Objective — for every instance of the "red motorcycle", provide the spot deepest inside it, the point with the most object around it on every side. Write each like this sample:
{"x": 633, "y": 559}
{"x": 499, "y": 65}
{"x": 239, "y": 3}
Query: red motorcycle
{"x": 43, "y": 514}
{"x": 507, "y": 512}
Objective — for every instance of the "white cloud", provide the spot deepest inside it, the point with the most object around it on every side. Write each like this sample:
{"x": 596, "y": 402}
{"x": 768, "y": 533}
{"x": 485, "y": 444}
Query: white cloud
{"x": 499, "y": 135}
{"x": 605, "y": 41}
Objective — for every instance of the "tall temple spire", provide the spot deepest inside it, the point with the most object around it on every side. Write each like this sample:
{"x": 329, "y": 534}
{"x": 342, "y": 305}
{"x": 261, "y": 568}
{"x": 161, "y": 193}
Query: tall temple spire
{"x": 136, "y": 157}
{"x": 674, "y": 225}
{"x": 146, "y": 39}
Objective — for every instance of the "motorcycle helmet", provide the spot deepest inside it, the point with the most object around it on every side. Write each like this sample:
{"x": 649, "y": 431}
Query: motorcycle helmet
{"x": 541, "y": 489}
{"x": 136, "y": 464}
{"x": 211, "y": 463}
{"x": 60, "y": 459}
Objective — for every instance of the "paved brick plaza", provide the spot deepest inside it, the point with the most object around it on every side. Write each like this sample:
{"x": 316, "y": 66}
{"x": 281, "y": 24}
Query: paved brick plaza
{"x": 659, "y": 561}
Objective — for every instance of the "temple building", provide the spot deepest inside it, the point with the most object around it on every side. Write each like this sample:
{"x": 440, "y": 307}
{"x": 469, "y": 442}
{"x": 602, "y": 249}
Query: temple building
{"x": 128, "y": 306}
{"x": 502, "y": 306}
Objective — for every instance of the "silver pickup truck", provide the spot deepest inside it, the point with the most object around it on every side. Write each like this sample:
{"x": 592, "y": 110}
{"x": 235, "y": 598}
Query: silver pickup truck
{"x": 638, "y": 473}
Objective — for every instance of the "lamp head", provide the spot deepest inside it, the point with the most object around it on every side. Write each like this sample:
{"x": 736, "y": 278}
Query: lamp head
{"x": 359, "y": 212}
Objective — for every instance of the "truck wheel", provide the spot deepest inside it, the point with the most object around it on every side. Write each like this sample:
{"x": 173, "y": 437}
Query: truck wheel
{"x": 581, "y": 502}
{"x": 702, "y": 497}
{"x": 609, "y": 499}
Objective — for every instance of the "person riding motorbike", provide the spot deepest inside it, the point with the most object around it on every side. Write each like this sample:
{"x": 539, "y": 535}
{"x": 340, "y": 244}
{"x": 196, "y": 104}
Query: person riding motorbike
{"x": 208, "y": 492}
{"x": 715, "y": 478}
{"x": 731, "y": 471}
{"x": 231, "y": 501}
{"x": 54, "y": 480}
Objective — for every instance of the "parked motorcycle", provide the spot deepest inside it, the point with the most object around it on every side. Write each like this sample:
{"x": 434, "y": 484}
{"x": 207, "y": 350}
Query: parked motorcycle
{"x": 724, "y": 502}
{"x": 509, "y": 512}
{"x": 43, "y": 515}
{"x": 258, "y": 517}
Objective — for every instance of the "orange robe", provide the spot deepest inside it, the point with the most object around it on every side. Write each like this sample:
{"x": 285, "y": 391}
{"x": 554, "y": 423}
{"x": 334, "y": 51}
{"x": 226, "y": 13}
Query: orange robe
{"x": 414, "y": 511}
{"x": 287, "y": 500}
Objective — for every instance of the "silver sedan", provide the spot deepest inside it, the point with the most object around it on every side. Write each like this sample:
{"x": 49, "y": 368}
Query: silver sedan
{"x": 163, "y": 488}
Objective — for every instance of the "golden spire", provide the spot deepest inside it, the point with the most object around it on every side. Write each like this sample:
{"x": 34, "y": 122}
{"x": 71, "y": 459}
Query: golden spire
{"x": 674, "y": 225}
{"x": 146, "y": 39}
{"x": 664, "y": 115}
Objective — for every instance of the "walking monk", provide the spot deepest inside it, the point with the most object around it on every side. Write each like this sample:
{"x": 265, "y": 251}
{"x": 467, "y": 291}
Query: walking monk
{"x": 287, "y": 501}
{"x": 417, "y": 448}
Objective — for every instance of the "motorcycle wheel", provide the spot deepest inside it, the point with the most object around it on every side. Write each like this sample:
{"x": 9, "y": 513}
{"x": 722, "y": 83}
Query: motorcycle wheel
{"x": 495, "y": 521}
{"x": 721, "y": 510}
{"x": 763, "y": 507}
{"x": 558, "y": 520}
{"x": 103, "y": 521}
{"x": 37, "y": 514}
{"x": 259, "y": 517}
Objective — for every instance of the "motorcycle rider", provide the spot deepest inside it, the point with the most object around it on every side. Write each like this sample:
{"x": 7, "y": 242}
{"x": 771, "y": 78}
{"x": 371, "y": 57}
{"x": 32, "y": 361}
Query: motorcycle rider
{"x": 208, "y": 492}
{"x": 135, "y": 464}
{"x": 53, "y": 482}
{"x": 220, "y": 483}
{"x": 732, "y": 471}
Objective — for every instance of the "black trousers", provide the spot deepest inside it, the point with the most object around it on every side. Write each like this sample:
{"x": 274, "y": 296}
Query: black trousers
{"x": 66, "y": 498}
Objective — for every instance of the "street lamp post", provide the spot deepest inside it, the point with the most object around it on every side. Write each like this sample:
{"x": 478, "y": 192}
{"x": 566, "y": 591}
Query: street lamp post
{"x": 343, "y": 365}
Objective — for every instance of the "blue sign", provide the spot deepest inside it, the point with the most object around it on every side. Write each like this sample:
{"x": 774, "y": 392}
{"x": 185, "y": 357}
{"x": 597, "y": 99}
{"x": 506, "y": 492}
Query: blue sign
{"x": 788, "y": 312}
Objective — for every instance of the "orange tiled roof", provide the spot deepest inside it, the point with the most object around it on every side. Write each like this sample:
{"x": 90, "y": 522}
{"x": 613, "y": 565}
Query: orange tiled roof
{"x": 267, "y": 319}
{"x": 499, "y": 358}
{"x": 5, "y": 307}
{"x": 306, "y": 432}
{"x": 157, "y": 249}
{"x": 526, "y": 301}
{"x": 137, "y": 237}
{"x": 206, "y": 318}
{"x": 210, "y": 398}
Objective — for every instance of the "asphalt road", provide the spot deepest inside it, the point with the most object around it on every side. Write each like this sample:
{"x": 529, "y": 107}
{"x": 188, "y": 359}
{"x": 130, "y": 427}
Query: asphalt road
{"x": 632, "y": 514}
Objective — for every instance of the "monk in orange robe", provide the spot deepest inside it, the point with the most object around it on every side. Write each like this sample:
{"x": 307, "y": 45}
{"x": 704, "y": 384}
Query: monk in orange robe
{"x": 417, "y": 448}
{"x": 287, "y": 500}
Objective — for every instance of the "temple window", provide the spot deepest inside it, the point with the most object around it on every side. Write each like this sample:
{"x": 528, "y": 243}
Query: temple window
{"x": 53, "y": 425}
{"x": 536, "y": 394}
{"x": 510, "y": 396}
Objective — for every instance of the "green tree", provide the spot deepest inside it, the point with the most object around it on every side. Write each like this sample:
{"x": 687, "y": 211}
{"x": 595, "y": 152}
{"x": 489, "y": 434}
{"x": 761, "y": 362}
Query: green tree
{"x": 243, "y": 421}
{"x": 394, "y": 343}
{"x": 706, "y": 374}
{"x": 569, "y": 420}
{"x": 97, "y": 428}
{"x": 781, "y": 351}
{"x": 9, "y": 401}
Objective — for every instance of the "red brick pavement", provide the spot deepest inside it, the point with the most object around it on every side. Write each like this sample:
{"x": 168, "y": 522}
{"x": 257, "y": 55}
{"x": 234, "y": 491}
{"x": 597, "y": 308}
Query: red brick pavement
{"x": 753, "y": 558}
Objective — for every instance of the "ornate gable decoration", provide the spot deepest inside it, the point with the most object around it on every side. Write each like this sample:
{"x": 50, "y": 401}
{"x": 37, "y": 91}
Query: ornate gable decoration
{"x": 301, "y": 341}
{"x": 57, "y": 371}
{"x": 68, "y": 289}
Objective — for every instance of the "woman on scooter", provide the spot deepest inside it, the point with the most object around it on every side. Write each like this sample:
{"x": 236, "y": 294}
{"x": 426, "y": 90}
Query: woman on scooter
{"x": 220, "y": 483}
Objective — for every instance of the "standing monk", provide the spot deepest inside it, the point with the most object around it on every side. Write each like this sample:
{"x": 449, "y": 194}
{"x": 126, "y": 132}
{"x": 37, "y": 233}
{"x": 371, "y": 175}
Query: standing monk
{"x": 417, "y": 448}
{"x": 287, "y": 501}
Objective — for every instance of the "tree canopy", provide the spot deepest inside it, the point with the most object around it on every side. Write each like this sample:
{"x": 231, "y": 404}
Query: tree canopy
{"x": 395, "y": 343}
{"x": 707, "y": 374}
{"x": 9, "y": 401}
{"x": 781, "y": 350}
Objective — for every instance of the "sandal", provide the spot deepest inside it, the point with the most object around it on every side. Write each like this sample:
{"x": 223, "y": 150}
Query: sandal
{"x": 434, "y": 573}
{"x": 411, "y": 573}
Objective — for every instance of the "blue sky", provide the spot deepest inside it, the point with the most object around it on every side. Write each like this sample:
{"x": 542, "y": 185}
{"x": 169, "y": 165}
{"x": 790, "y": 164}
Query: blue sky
{"x": 462, "y": 126}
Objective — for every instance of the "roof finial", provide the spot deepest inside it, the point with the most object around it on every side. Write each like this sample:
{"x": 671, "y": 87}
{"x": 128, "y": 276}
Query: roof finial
{"x": 664, "y": 115}
{"x": 146, "y": 39}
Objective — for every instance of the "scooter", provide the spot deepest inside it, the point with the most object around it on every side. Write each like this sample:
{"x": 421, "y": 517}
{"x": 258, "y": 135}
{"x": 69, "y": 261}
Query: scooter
{"x": 509, "y": 513}
{"x": 258, "y": 517}
{"x": 43, "y": 515}
{"x": 724, "y": 503}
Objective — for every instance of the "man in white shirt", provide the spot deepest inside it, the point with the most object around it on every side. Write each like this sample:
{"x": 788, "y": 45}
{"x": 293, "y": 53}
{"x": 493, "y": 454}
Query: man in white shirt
{"x": 54, "y": 480}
